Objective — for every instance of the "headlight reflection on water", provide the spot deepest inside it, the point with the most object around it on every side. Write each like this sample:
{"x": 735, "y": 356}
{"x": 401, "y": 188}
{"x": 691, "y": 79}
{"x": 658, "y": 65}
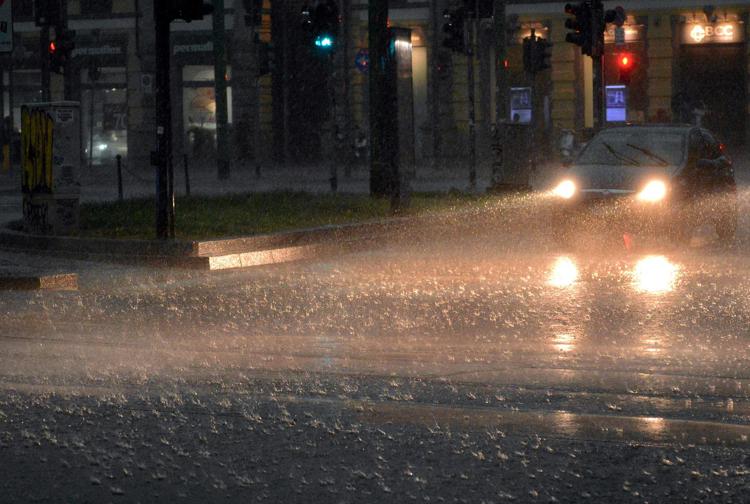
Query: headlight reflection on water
{"x": 564, "y": 273}
{"x": 564, "y": 342}
{"x": 655, "y": 275}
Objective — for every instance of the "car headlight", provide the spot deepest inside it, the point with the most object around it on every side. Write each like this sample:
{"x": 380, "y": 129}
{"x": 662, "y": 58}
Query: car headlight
{"x": 565, "y": 189}
{"x": 654, "y": 191}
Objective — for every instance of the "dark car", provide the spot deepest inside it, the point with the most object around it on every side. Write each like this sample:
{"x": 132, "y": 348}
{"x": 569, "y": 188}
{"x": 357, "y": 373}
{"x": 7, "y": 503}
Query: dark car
{"x": 672, "y": 177}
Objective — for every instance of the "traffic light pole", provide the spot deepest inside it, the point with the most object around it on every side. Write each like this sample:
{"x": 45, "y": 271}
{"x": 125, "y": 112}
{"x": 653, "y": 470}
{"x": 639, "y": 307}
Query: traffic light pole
{"x": 68, "y": 83}
{"x": 44, "y": 49}
{"x": 163, "y": 152}
{"x": 220, "y": 91}
{"x": 381, "y": 176}
{"x": 470, "y": 24}
{"x": 598, "y": 71}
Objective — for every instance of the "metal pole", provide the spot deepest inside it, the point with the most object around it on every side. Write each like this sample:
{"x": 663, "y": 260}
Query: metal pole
{"x": 92, "y": 90}
{"x": 187, "y": 174}
{"x": 68, "y": 83}
{"x": 220, "y": 91}
{"x": 470, "y": 24}
{"x": 501, "y": 87}
{"x": 118, "y": 158}
{"x": 381, "y": 183}
{"x": 598, "y": 70}
{"x": 501, "y": 92}
{"x": 163, "y": 153}
{"x": 44, "y": 51}
{"x": 333, "y": 124}
{"x": 434, "y": 81}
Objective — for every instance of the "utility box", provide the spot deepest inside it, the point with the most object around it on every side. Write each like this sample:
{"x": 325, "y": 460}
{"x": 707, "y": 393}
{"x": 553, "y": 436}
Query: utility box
{"x": 51, "y": 167}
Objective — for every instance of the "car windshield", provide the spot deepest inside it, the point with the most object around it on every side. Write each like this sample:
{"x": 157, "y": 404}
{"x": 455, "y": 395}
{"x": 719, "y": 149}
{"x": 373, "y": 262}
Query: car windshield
{"x": 635, "y": 147}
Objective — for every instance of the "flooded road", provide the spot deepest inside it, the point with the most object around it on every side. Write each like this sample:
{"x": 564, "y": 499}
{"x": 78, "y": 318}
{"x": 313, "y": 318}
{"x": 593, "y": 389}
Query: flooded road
{"x": 419, "y": 369}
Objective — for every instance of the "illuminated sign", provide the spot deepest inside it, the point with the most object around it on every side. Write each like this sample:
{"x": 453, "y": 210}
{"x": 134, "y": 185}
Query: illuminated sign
{"x": 629, "y": 33}
{"x": 617, "y": 103}
{"x": 719, "y": 33}
{"x": 520, "y": 105}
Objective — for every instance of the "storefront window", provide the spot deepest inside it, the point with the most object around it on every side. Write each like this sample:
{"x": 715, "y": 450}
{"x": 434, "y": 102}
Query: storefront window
{"x": 199, "y": 108}
{"x": 104, "y": 115}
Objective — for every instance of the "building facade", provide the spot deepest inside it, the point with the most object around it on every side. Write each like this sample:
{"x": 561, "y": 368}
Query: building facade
{"x": 691, "y": 61}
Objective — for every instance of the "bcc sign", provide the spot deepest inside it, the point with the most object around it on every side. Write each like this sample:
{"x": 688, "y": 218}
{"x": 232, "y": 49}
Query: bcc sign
{"x": 722, "y": 33}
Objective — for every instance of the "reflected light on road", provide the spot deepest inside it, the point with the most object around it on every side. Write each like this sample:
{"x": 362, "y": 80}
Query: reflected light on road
{"x": 564, "y": 273}
{"x": 655, "y": 275}
{"x": 652, "y": 345}
{"x": 565, "y": 423}
{"x": 653, "y": 425}
{"x": 564, "y": 342}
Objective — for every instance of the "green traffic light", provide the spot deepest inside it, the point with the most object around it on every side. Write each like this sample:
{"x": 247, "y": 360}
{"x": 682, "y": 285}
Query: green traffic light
{"x": 324, "y": 41}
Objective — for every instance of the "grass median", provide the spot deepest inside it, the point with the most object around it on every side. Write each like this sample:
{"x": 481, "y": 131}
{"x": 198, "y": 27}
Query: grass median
{"x": 204, "y": 217}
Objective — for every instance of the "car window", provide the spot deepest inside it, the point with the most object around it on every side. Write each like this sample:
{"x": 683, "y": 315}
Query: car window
{"x": 636, "y": 147}
{"x": 697, "y": 146}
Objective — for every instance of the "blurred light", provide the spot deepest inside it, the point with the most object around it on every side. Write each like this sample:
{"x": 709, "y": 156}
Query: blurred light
{"x": 653, "y": 425}
{"x": 324, "y": 41}
{"x": 102, "y": 146}
{"x": 652, "y": 345}
{"x": 654, "y": 191}
{"x": 52, "y": 48}
{"x": 402, "y": 45}
{"x": 564, "y": 273}
{"x": 655, "y": 275}
{"x": 565, "y": 189}
{"x": 564, "y": 342}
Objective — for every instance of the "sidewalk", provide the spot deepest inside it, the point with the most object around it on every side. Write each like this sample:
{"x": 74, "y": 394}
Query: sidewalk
{"x": 100, "y": 182}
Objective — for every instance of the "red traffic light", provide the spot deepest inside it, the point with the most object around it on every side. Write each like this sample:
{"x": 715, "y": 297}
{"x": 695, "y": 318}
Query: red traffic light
{"x": 626, "y": 66}
{"x": 52, "y": 47}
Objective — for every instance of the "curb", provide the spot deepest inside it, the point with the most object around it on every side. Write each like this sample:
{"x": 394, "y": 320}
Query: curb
{"x": 230, "y": 253}
{"x": 62, "y": 281}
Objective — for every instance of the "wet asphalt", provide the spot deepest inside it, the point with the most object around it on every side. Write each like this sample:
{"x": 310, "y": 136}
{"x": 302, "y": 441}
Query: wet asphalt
{"x": 482, "y": 363}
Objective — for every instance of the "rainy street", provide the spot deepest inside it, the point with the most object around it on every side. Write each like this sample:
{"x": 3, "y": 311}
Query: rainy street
{"x": 485, "y": 366}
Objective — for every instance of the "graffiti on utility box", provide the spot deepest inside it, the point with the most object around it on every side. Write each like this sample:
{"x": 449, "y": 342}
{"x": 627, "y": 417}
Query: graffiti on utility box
{"x": 37, "y": 140}
{"x": 50, "y": 162}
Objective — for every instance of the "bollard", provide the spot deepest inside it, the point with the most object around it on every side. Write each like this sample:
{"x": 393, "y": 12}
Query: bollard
{"x": 118, "y": 158}
{"x": 187, "y": 175}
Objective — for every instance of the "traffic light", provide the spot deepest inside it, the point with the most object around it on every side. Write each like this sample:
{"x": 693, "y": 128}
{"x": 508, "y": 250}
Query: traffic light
{"x": 188, "y": 10}
{"x": 581, "y": 24}
{"x": 453, "y": 27}
{"x": 542, "y": 54}
{"x": 321, "y": 23}
{"x": 598, "y": 26}
{"x": 616, "y": 16}
{"x": 535, "y": 53}
{"x": 61, "y": 50}
{"x": 625, "y": 67}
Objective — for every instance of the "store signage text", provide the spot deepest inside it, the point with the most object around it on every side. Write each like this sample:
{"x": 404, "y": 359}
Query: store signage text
{"x": 193, "y": 48}
{"x": 97, "y": 51}
{"x": 720, "y": 33}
